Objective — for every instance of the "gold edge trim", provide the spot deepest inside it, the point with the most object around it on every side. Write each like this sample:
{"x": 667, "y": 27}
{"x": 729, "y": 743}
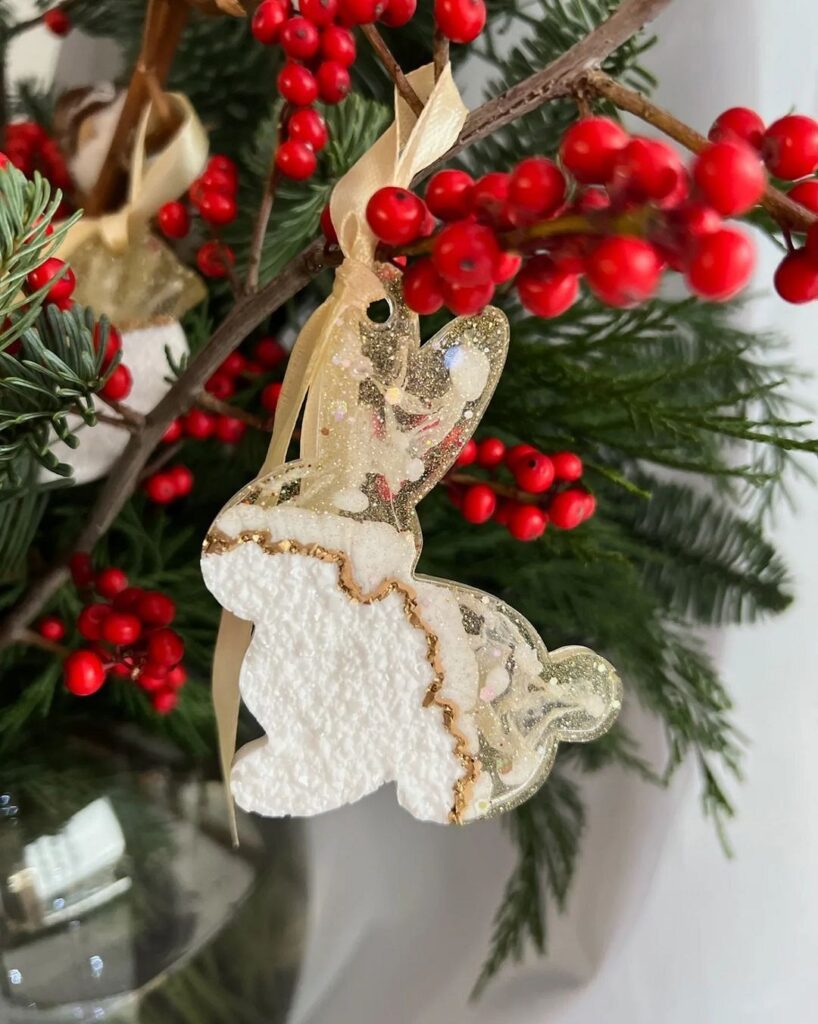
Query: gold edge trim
{"x": 219, "y": 543}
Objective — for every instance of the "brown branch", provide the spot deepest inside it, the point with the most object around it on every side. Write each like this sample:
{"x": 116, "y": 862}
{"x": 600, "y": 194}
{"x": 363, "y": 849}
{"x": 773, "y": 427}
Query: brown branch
{"x": 387, "y": 58}
{"x": 440, "y": 52}
{"x": 207, "y": 401}
{"x": 28, "y": 636}
{"x": 265, "y": 208}
{"x": 780, "y": 207}
{"x": 503, "y": 490}
{"x": 558, "y": 79}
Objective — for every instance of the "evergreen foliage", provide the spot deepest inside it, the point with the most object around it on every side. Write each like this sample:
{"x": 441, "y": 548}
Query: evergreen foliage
{"x": 681, "y": 417}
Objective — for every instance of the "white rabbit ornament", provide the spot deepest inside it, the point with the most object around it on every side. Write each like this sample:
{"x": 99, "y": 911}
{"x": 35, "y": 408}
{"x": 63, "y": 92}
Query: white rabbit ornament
{"x": 359, "y": 671}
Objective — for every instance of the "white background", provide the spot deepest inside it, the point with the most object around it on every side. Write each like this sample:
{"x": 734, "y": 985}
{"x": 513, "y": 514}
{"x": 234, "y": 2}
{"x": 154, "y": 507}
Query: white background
{"x": 661, "y": 928}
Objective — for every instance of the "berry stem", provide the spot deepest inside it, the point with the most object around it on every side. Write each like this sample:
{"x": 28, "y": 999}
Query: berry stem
{"x": 440, "y": 51}
{"x": 780, "y": 207}
{"x": 28, "y": 636}
{"x": 162, "y": 459}
{"x": 265, "y": 208}
{"x": 134, "y": 420}
{"x": 395, "y": 71}
{"x": 207, "y": 401}
{"x": 504, "y": 490}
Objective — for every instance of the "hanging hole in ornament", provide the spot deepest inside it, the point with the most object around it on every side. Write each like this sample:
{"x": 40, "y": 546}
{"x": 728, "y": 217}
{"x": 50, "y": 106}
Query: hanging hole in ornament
{"x": 380, "y": 311}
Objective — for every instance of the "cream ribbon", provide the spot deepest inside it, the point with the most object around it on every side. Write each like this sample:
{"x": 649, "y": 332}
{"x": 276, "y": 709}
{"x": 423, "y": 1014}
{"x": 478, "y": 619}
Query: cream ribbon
{"x": 154, "y": 180}
{"x": 407, "y": 147}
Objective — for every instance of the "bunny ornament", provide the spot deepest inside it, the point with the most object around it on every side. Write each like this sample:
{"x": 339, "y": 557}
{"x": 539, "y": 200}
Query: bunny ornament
{"x": 360, "y": 671}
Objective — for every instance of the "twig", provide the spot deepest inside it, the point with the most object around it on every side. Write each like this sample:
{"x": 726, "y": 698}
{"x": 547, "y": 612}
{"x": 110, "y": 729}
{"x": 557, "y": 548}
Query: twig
{"x": 558, "y": 79}
{"x": 116, "y": 421}
{"x": 134, "y": 419}
{"x": 440, "y": 52}
{"x": 504, "y": 490}
{"x": 387, "y": 58}
{"x": 28, "y": 636}
{"x": 213, "y": 404}
{"x": 162, "y": 459}
{"x": 265, "y": 208}
{"x": 780, "y": 207}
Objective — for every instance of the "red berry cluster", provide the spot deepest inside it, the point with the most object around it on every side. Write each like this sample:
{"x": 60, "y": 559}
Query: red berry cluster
{"x": 319, "y": 46}
{"x": 789, "y": 148}
{"x": 616, "y": 209}
{"x": 29, "y": 148}
{"x": 544, "y": 489}
{"x": 128, "y": 632}
{"x": 213, "y": 196}
{"x": 57, "y": 21}
{"x": 118, "y": 385}
{"x": 201, "y": 424}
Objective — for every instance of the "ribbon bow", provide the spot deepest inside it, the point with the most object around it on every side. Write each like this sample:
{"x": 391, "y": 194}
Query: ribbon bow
{"x": 154, "y": 180}
{"x": 405, "y": 149}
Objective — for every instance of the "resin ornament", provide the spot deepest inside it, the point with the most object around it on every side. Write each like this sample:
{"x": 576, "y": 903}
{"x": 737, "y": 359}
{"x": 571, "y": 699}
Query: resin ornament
{"x": 359, "y": 671}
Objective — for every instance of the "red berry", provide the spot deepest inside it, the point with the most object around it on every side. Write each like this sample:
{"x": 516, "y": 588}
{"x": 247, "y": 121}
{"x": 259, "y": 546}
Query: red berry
{"x": 270, "y": 395}
{"x": 173, "y": 220}
{"x": 489, "y": 196}
{"x": 127, "y": 600}
{"x": 60, "y": 290}
{"x": 319, "y": 12}
{"x": 164, "y": 701}
{"x": 113, "y": 344}
{"x": 230, "y": 429}
{"x": 805, "y": 193}
{"x": 590, "y": 147}
{"x": 720, "y": 264}
{"x": 791, "y": 147}
{"x": 360, "y": 12}
{"x": 57, "y": 21}
{"x": 173, "y": 432}
{"x": 730, "y": 176}
{"x": 216, "y": 180}
{"x": 811, "y": 242}
{"x": 155, "y": 609}
{"x": 296, "y": 160}
{"x": 399, "y": 13}
{"x": 648, "y": 169}
{"x": 423, "y": 287}
{"x": 297, "y": 85}
{"x": 449, "y": 195}
{"x": 165, "y": 647}
{"x": 82, "y": 569}
{"x": 217, "y": 208}
{"x": 466, "y": 253}
{"x": 91, "y": 618}
{"x": 544, "y": 289}
{"x": 84, "y": 673}
{"x": 327, "y": 227}
{"x": 567, "y": 509}
{"x": 224, "y": 166}
{"x": 623, "y": 271}
{"x": 696, "y": 219}
{"x": 467, "y": 299}
{"x": 796, "y": 279}
{"x": 507, "y": 267}
{"x": 738, "y": 123}
{"x": 51, "y": 628}
{"x": 268, "y": 21}
{"x": 269, "y": 352}
{"x": 518, "y": 451}
{"x": 534, "y": 472}
{"x": 468, "y": 453}
{"x": 220, "y": 385}
{"x": 214, "y": 258}
{"x": 338, "y": 45}
{"x": 526, "y": 522}
{"x": 309, "y": 127}
{"x": 110, "y": 582}
{"x": 198, "y": 424}
{"x": 490, "y": 452}
{"x": 567, "y": 466}
{"x": 121, "y": 629}
{"x": 333, "y": 80}
{"x": 118, "y": 385}
{"x": 182, "y": 479}
{"x": 160, "y": 489}
{"x": 176, "y": 677}
{"x": 536, "y": 189}
{"x": 502, "y": 514}
{"x": 121, "y": 669}
{"x": 462, "y": 21}
{"x": 479, "y": 503}
{"x": 233, "y": 364}
{"x": 299, "y": 39}
{"x": 395, "y": 215}
{"x": 152, "y": 678}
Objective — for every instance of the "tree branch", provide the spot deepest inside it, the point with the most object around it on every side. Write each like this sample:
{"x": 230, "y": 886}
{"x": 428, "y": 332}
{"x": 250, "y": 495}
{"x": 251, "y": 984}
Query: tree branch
{"x": 780, "y": 207}
{"x": 387, "y": 58}
{"x": 556, "y": 80}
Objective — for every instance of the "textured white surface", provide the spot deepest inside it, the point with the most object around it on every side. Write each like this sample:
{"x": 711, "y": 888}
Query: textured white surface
{"x": 143, "y": 352}
{"x": 337, "y": 686}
